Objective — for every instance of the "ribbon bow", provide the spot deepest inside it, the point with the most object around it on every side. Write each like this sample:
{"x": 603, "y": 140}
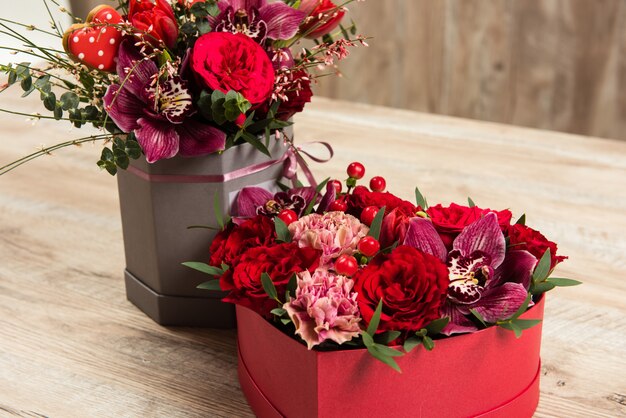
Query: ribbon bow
{"x": 294, "y": 159}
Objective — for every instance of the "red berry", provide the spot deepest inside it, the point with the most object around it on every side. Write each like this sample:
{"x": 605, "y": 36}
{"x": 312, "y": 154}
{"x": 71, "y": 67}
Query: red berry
{"x": 337, "y": 185}
{"x": 356, "y": 171}
{"x": 378, "y": 184}
{"x": 338, "y": 206}
{"x": 346, "y": 265}
{"x": 369, "y": 246}
{"x": 288, "y": 216}
{"x": 368, "y": 214}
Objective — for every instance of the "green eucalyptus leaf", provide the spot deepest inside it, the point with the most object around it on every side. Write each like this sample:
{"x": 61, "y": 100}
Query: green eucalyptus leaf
{"x": 522, "y": 307}
{"x": 373, "y": 325}
{"x": 377, "y": 223}
{"x": 429, "y": 344}
{"x": 69, "y": 100}
{"x": 478, "y": 316}
{"x": 282, "y": 231}
{"x": 204, "y": 268}
{"x": 387, "y": 337}
{"x": 388, "y": 360}
{"x": 543, "y": 267}
{"x": 526, "y": 323}
{"x": 542, "y": 287}
{"x": 411, "y": 343}
{"x": 521, "y": 220}
{"x": 561, "y": 282}
{"x": 368, "y": 340}
{"x": 437, "y": 325}
{"x": 470, "y": 202}
{"x": 268, "y": 286}
{"x": 292, "y": 286}
{"x": 420, "y": 200}
{"x": 210, "y": 285}
{"x": 278, "y": 311}
{"x": 511, "y": 326}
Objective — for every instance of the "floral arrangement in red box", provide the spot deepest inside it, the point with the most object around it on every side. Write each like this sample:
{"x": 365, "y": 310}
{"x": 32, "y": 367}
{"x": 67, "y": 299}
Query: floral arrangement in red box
{"x": 186, "y": 77}
{"x": 365, "y": 268}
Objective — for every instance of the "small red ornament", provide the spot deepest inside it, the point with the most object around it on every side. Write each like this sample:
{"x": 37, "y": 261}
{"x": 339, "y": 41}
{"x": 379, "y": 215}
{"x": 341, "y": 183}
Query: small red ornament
{"x": 369, "y": 246}
{"x": 288, "y": 216}
{"x": 356, "y": 170}
{"x": 338, "y": 206}
{"x": 337, "y": 185}
{"x": 378, "y": 184}
{"x": 346, "y": 265}
{"x": 368, "y": 214}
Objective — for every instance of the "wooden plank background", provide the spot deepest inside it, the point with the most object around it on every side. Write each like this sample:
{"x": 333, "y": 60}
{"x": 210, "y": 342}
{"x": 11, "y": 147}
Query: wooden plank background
{"x": 549, "y": 64}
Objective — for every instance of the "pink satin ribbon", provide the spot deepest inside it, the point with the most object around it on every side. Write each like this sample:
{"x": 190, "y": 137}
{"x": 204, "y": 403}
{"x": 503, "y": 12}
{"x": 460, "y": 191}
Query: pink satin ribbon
{"x": 291, "y": 159}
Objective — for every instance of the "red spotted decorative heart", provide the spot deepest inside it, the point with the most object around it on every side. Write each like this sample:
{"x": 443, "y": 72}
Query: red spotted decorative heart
{"x": 95, "y": 43}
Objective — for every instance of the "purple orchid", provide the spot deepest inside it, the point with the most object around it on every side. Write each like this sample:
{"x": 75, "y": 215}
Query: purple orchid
{"x": 157, "y": 112}
{"x": 483, "y": 276}
{"x": 258, "y": 19}
{"x": 253, "y": 201}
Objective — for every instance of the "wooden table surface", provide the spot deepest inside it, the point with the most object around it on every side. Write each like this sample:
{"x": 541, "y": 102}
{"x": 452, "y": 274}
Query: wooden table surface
{"x": 71, "y": 345}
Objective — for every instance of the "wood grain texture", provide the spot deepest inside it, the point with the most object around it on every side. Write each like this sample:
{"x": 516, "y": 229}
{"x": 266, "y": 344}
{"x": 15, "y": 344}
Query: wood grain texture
{"x": 550, "y": 64}
{"x": 72, "y": 346}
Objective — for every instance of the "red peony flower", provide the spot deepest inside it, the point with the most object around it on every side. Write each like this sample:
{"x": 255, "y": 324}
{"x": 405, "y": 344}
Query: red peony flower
{"x": 361, "y": 198}
{"x": 412, "y": 285}
{"x": 156, "y": 19}
{"x": 324, "y": 17}
{"x": 279, "y": 261}
{"x": 225, "y": 61}
{"x": 231, "y": 242}
{"x": 450, "y": 221}
{"x": 522, "y": 237}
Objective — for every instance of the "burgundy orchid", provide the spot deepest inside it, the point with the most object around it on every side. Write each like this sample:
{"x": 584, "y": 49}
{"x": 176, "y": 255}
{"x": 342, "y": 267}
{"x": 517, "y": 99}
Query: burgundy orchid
{"x": 158, "y": 113}
{"x": 258, "y": 19}
{"x": 253, "y": 201}
{"x": 481, "y": 278}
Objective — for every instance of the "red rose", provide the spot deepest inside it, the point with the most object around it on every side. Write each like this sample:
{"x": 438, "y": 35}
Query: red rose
{"x": 412, "y": 285}
{"x": 395, "y": 225}
{"x": 225, "y": 61}
{"x": 324, "y": 17}
{"x": 450, "y": 221}
{"x": 279, "y": 261}
{"x": 231, "y": 242}
{"x": 155, "y": 20}
{"x": 361, "y": 198}
{"x": 522, "y": 237}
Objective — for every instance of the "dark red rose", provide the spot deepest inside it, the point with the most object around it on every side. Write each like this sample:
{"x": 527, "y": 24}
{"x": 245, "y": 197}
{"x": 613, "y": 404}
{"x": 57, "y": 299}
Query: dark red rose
{"x": 450, "y": 221}
{"x": 155, "y": 19}
{"x": 229, "y": 243}
{"x": 412, "y": 285}
{"x": 522, "y": 237}
{"x": 362, "y": 197}
{"x": 279, "y": 261}
{"x": 395, "y": 225}
{"x": 225, "y": 61}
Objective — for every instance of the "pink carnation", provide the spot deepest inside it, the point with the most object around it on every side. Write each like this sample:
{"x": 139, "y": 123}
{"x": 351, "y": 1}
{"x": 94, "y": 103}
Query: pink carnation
{"x": 324, "y": 308}
{"x": 334, "y": 233}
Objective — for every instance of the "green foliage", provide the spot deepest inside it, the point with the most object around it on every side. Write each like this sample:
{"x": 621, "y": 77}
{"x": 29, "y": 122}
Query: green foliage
{"x": 521, "y": 220}
{"x": 377, "y": 223}
{"x": 204, "y": 268}
{"x": 420, "y": 200}
{"x": 213, "y": 285}
{"x": 516, "y": 324}
{"x": 222, "y": 108}
{"x": 377, "y": 350}
{"x": 470, "y": 202}
{"x": 282, "y": 231}
{"x": 268, "y": 286}
{"x": 120, "y": 153}
{"x": 424, "y": 335}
